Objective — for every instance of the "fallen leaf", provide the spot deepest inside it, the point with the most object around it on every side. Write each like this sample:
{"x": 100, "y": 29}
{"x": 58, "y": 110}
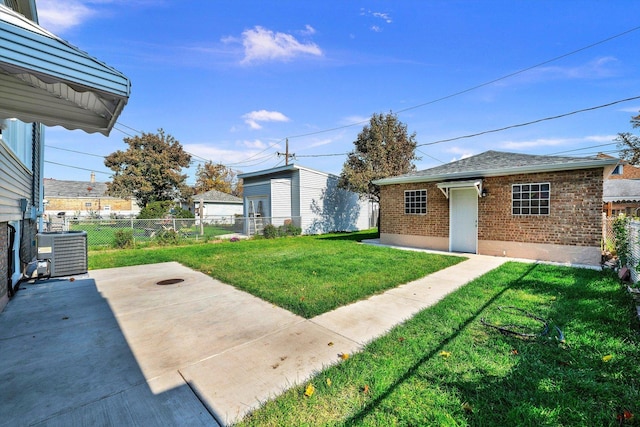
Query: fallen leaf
{"x": 445, "y": 353}
{"x": 607, "y": 358}
{"x": 467, "y": 408}
{"x": 344, "y": 356}
{"x": 329, "y": 382}
{"x": 401, "y": 339}
{"x": 365, "y": 389}
{"x": 72, "y": 279}
{"x": 514, "y": 352}
{"x": 309, "y": 390}
{"x": 330, "y": 343}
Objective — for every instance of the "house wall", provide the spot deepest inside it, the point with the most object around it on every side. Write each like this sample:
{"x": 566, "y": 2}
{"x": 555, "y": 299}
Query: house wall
{"x": 4, "y": 265}
{"x": 570, "y": 233}
{"x": 220, "y": 209}
{"x": 280, "y": 200}
{"x": 78, "y": 204}
{"x": 15, "y": 184}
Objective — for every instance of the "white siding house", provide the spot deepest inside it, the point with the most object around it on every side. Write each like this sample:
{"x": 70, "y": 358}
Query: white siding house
{"x": 43, "y": 81}
{"x": 308, "y": 198}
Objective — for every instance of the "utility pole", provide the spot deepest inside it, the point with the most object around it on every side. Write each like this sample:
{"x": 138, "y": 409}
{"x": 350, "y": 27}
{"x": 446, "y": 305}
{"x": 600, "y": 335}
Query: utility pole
{"x": 286, "y": 153}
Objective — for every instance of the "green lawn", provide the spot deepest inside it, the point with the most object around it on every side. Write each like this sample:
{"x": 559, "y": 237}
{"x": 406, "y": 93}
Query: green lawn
{"x": 445, "y": 367}
{"x": 307, "y": 275}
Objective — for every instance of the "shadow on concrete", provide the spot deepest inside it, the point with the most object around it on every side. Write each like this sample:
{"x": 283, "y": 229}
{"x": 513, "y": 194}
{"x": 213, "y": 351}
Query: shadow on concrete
{"x": 65, "y": 361}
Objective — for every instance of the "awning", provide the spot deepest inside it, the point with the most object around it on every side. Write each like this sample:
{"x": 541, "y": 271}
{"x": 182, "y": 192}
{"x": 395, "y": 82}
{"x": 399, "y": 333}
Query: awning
{"x": 445, "y": 186}
{"x": 45, "y": 79}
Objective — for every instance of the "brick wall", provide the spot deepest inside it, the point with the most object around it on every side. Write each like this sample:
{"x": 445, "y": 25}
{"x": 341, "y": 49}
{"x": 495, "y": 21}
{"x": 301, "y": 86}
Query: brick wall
{"x": 574, "y": 219}
{"x": 395, "y": 221}
{"x": 79, "y": 204}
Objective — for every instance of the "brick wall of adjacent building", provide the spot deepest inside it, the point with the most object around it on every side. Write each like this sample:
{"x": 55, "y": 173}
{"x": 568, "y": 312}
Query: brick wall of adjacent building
{"x": 79, "y": 204}
{"x": 574, "y": 219}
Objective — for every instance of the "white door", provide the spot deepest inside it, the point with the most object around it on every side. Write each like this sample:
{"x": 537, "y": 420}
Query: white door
{"x": 463, "y": 224}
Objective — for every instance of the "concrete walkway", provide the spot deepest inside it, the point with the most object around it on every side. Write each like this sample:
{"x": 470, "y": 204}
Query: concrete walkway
{"x": 115, "y": 348}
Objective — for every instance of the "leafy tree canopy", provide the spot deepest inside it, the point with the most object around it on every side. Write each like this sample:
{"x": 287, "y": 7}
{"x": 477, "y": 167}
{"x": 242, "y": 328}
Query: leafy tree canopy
{"x": 383, "y": 149}
{"x": 150, "y": 169}
{"x": 629, "y": 144}
{"x": 212, "y": 176}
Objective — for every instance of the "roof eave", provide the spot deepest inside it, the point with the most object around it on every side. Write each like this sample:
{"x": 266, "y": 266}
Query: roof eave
{"x": 587, "y": 164}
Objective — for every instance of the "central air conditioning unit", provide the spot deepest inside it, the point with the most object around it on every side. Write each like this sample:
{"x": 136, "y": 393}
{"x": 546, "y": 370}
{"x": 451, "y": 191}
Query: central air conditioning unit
{"x": 64, "y": 253}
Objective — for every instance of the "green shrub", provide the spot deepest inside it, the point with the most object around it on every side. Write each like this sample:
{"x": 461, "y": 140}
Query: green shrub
{"x": 622, "y": 243}
{"x": 123, "y": 239}
{"x": 155, "y": 210}
{"x": 270, "y": 231}
{"x": 289, "y": 230}
{"x": 167, "y": 237}
{"x": 178, "y": 212}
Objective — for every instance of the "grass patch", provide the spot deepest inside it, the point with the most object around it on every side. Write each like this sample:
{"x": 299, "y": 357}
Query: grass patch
{"x": 307, "y": 275}
{"x": 445, "y": 367}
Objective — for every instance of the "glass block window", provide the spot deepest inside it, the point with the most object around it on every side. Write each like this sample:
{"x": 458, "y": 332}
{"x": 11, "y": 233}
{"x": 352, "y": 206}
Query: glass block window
{"x": 415, "y": 202}
{"x": 530, "y": 199}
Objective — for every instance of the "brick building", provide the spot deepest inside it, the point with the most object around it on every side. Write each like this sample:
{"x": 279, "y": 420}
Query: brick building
{"x": 84, "y": 199}
{"x": 502, "y": 204}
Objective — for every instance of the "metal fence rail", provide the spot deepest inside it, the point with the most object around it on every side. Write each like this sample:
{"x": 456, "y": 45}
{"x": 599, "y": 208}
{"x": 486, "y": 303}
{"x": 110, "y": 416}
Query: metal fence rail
{"x": 102, "y": 232}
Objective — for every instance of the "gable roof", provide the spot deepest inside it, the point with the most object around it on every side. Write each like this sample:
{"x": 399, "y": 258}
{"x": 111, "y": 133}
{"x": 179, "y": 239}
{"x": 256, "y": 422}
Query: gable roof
{"x": 217, "y": 196}
{"x": 498, "y": 163}
{"x": 73, "y": 189}
{"x": 621, "y": 190}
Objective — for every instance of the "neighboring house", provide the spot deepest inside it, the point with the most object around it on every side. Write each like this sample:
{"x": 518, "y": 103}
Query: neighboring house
{"x": 621, "y": 196}
{"x": 621, "y": 189}
{"x": 84, "y": 199}
{"x": 502, "y": 204}
{"x": 43, "y": 81}
{"x": 216, "y": 205}
{"x": 305, "y": 197}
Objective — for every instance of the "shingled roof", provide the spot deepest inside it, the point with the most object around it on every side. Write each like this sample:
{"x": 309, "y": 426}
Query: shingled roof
{"x": 498, "y": 163}
{"x": 213, "y": 196}
{"x": 71, "y": 189}
{"x": 621, "y": 190}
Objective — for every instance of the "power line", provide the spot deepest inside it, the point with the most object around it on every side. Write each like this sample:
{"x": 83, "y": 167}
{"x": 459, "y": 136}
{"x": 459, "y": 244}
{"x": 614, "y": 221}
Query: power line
{"x": 506, "y": 76}
{"x": 74, "y": 151}
{"x": 76, "y": 167}
{"x": 531, "y": 122}
{"x": 583, "y": 148}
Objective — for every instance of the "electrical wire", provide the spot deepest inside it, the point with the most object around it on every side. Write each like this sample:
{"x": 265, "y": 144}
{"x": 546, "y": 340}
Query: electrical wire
{"x": 490, "y": 82}
{"x": 76, "y": 167}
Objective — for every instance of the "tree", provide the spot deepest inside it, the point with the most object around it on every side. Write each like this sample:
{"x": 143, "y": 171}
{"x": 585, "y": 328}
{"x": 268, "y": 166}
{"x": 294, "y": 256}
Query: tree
{"x": 383, "y": 149}
{"x": 212, "y": 176}
{"x": 150, "y": 169}
{"x": 629, "y": 144}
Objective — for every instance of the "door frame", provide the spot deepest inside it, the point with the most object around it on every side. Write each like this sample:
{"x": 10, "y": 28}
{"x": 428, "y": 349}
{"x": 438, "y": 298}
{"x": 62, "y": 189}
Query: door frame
{"x": 452, "y": 195}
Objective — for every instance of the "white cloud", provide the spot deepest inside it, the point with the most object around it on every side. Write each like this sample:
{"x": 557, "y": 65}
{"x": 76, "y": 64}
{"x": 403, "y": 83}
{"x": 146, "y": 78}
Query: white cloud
{"x": 633, "y": 110}
{"x": 58, "y": 16}
{"x": 376, "y": 29}
{"x": 247, "y": 151}
{"x": 261, "y": 44}
{"x": 308, "y": 30}
{"x": 555, "y": 142}
{"x": 254, "y": 117}
{"x": 384, "y": 16}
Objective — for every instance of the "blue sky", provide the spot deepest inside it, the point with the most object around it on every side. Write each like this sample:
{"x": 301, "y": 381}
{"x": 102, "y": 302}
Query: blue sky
{"x": 231, "y": 80}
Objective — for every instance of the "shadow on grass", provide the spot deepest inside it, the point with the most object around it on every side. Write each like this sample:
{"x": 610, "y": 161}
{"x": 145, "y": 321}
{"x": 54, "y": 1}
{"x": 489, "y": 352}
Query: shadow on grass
{"x": 547, "y": 382}
{"x": 357, "y": 418}
{"x": 356, "y": 236}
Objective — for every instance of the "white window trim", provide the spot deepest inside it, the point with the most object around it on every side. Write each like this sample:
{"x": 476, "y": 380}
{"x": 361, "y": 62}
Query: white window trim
{"x": 538, "y": 199}
{"x": 425, "y": 201}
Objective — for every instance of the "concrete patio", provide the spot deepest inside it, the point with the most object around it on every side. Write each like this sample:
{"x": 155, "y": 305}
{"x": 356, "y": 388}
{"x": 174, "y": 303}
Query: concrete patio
{"x": 115, "y": 348}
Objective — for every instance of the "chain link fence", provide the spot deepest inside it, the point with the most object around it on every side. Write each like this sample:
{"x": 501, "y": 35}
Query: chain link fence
{"x": 102, "y": 232}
